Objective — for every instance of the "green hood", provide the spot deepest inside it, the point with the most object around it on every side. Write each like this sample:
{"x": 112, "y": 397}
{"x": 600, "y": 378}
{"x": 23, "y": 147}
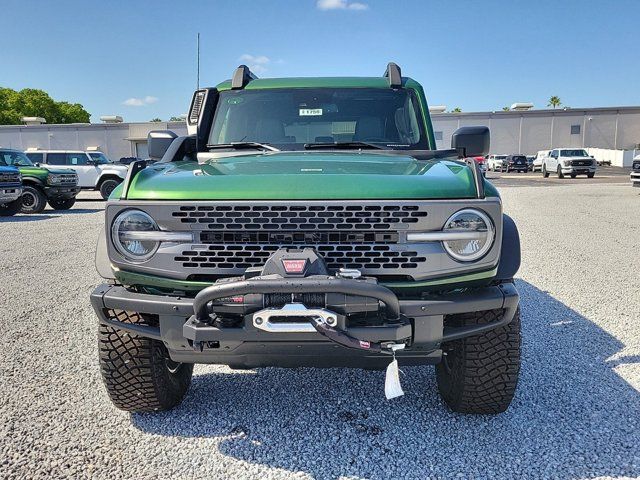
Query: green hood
{"x": 305, "y": 175}
{"x": 40, "y": 172}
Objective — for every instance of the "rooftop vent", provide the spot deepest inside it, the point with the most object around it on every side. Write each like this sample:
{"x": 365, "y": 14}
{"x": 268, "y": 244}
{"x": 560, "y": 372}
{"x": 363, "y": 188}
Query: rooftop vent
{"x": 33, "y": 120}
{"x": 111, "y": 119}
{"x": 437, "y": 109}
{"x": 521, "y": 106}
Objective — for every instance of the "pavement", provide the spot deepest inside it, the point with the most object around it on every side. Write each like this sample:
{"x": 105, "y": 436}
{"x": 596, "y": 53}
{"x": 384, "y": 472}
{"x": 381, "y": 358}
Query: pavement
{"x": 575, "y": 414}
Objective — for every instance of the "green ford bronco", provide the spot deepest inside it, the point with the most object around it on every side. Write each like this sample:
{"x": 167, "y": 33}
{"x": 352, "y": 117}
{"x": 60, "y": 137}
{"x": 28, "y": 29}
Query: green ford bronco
{"x": 309, "y": 222}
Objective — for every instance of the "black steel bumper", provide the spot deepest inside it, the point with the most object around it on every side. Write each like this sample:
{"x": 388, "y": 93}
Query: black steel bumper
{"x": 61, "y": 192}
{"x": 420, "y": 323}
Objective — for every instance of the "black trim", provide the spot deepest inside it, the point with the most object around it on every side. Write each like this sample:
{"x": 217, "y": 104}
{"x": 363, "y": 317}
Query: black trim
{"x": 510, "y": 252}
{"x": 394, "y": 74}
{"x": 241, "y": 77}
{"x": 134, "y": 168}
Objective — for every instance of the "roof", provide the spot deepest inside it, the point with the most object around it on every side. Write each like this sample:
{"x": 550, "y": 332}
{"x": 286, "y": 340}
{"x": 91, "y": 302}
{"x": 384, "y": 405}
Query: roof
{"x": 319, "y": 82}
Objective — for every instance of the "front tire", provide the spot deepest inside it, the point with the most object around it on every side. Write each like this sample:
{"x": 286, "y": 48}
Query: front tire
{"x": 137, "y": 371}
{"x": 11, "y": 208}
{"x": 479, "y": 374}
{"x": 591, "y": 175}
{"x": 560, "y": 174}
{"x": 33, "y": 200}
{"x": 545, "y": 174}
{"x": 62, "y": 203}
{"x": 107, "y": 186}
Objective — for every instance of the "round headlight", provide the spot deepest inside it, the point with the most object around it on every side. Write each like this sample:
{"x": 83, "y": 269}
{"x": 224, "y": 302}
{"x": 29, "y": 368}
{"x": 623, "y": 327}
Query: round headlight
{"x": 478, "y": 232}
{"x": 133, "y": 247}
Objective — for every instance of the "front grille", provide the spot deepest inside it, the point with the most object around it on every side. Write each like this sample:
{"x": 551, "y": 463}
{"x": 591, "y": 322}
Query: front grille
{"x": 366, "y": 257}
{"x": 301, "y": 217}
{"x": 67, "y": 180}
{"x": 581, "y": 163}
{"x": 9, "y": 178}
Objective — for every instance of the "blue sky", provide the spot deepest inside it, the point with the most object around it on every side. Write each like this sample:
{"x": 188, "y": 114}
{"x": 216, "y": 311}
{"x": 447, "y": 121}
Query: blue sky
{"x": 137, "y": 59}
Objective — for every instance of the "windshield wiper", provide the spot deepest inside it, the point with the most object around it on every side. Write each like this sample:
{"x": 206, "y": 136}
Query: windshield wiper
{"x": 243, "y": 146}
{"x": 342, "y": 145}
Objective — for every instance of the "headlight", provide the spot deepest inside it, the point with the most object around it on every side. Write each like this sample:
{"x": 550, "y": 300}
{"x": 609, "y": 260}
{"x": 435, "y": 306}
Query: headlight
{"x": 53, "y": 179}
{"x": 134, "y": 247}
{"x": 567, "y": 163}
{"x": 478, "y": 229}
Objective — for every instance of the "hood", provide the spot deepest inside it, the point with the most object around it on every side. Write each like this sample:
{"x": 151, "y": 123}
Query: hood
{"x": 305, "y": 175}
{"x": 41, "y": 172}
{"x": 8, "y": 169}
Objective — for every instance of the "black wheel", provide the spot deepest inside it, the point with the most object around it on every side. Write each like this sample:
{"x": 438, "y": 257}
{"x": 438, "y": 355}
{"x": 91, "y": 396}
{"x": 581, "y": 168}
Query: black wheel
{"x": 62, "y": 203}
{"x": 545, "y": 174}
{"x": 479, "y": 374}
{"x": 11, "y": 208}
{"x": 560, "y": 174}
{"x": 137, "y": 371}
{"x": 590, "y": 175}
{"x": 33, "y": 200}
{"x": 573, "y": 175}
{"x": 107, "y": 186}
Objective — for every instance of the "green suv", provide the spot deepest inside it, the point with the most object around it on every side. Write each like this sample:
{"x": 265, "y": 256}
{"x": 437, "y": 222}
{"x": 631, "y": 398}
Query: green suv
{"x": 309, "y": 222}
{"x": 55, "y": 186}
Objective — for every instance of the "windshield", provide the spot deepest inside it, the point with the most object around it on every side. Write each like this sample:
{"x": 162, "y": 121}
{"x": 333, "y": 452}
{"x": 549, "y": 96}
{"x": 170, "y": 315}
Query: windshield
{"x": 17, "y": 159}
{"x": 290, "y": 118}
{"x": 573, "y": 153}
{"x": 99, "y": 157}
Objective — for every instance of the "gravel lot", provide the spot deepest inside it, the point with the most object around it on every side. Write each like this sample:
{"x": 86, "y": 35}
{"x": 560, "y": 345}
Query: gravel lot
{"x": 575, "y": 415}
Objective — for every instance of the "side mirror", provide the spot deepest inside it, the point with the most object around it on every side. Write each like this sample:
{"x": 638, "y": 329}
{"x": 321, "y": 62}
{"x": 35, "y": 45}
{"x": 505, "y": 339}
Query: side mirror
{"x": 471, "y": 141}
{"x": 158, "y": 142}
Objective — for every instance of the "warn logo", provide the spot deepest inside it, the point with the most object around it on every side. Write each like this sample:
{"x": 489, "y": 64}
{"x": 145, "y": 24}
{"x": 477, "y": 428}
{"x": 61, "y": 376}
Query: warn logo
{"x": 294, "y": 266}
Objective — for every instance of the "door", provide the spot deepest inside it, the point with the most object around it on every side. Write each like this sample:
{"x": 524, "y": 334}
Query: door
{"x": 87, "y": 171}
{"x": 552, "y": 161}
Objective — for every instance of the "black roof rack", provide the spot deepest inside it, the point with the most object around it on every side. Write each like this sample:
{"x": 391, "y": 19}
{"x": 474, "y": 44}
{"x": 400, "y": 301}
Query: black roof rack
{"x": 394, "y": 75}
{"x": 241, "y": 77}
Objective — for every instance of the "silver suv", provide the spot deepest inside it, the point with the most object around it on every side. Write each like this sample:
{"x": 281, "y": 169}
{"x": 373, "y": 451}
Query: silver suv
{"x": 568, "y": 161}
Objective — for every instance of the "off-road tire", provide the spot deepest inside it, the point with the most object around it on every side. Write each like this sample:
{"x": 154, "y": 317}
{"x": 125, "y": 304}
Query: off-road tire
{"x": 591, "y": 175}
{"x": 573, "y": 175}
{"x": 138, "y": 373}
{"x": 545, "y": 174}
{"x": 62, "y": 203}
{"x": 33, "y": 200}
{"x": 107, "y": 186}
{"x": 479, "y": 374}
{"x": 559, "y": 172}
{"x": 11, "y": 208}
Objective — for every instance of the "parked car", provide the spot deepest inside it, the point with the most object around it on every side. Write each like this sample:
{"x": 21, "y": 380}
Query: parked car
{"x": 635, "y": 172}
{"x": 10, "y": 190}
{"x": 482, "y": 165}
{"x": 569, "y": 161}
{"x": 40, "y": 185}
{"x": 515, "y": 163}
{"x": 494, "y": 162}
{"x": 530, "y": 159}
{"x": 538, "y": 159}
{"x": 93, "y": 173}
{"x": 128, "y": 160}
{"x": 603, "y": 162}
{"x": 266, "y": 242}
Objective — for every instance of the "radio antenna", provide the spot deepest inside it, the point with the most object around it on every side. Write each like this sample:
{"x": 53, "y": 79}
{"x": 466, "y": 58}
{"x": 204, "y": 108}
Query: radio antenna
{"x": 197, "y": 88}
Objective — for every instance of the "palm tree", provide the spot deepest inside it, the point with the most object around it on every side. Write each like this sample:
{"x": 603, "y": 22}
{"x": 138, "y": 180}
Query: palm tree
{"x": 505, "y": 109}
{"x": 456, "y": 110}
{"x": 554, "y": 101}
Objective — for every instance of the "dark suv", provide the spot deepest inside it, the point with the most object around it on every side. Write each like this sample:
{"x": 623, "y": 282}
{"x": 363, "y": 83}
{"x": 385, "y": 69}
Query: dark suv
{"x": 515, "y": 163}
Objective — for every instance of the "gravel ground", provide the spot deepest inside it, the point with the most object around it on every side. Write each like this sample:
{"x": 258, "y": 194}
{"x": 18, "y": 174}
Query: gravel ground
{"x": 575, "y": 415}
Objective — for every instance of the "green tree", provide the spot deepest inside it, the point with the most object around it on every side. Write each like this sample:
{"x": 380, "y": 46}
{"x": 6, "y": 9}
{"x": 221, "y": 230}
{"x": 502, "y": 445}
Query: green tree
{"x": 554, "y": 101}
{"x": 30, "y": 102}
{"x": 176, "y": 119}
{"x": 456, "y": 110}
{"x": 155, "y": 120}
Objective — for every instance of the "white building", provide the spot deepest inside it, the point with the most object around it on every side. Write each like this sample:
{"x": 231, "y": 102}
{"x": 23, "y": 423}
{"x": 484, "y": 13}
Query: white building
{"x": 517, "y": 131}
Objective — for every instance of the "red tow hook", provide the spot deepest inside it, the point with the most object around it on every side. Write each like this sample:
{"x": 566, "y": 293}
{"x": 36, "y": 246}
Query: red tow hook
{"x": 345, "y": 340}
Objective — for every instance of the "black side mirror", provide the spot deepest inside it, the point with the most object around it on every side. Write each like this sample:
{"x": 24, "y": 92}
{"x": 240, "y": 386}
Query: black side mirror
{"x": 158, "y": 142}
{"x": 471, "y": 141}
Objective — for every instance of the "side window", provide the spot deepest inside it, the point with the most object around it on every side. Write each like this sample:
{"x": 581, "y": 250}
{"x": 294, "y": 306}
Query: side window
{"x": 76, "y": 159}
{"x": 35, "y": 157}
{"x": 554, "y": 154}
{"x": 56, "y": 159}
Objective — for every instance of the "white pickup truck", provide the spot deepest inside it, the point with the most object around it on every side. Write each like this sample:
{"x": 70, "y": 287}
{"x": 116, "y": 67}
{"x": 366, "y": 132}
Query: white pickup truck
{"x": 95, "y": 171}
{"x": 568, "y": 161}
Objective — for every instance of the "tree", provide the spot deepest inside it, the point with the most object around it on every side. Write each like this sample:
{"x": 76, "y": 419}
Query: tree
{"x": 30, "y": 102}
{"x": 554, "y": 101}
{"x": 505, "y": 109}
{"x": 456, "y": 110}
{"x": 155, "y": 120}
{"x": 176, "y": 119}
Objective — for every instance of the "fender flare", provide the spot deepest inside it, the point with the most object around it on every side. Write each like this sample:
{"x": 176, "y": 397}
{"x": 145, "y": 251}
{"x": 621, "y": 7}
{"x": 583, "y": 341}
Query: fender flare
{"x": 510, "y": 253}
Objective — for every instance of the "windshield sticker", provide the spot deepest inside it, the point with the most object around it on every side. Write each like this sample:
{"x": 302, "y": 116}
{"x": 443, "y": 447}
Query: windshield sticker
{"x": 310, "y": 112}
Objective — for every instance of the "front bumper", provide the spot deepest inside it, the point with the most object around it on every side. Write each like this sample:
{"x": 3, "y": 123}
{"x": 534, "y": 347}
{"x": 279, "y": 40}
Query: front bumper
{"x": 61, "y": 192}
{"x": 421, "y": 324}
{"x": 10, "y": 193}
{"x": 578, "y": 170}
{"x": 635, "y": 179}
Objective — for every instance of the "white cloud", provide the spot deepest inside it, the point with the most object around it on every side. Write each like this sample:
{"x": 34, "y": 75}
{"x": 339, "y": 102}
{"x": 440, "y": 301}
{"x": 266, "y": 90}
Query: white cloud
{"x": 341, "y": 5}
{"x": 140, "y": 102}
{"x": 257, "y": 63}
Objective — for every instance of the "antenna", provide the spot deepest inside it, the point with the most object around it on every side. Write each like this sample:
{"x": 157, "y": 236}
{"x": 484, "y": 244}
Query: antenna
{"x": 197, "y": 88}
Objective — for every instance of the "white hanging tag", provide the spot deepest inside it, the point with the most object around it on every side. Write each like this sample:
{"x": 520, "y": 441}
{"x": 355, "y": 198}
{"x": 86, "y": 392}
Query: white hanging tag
{"x": 392, "y": 387}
